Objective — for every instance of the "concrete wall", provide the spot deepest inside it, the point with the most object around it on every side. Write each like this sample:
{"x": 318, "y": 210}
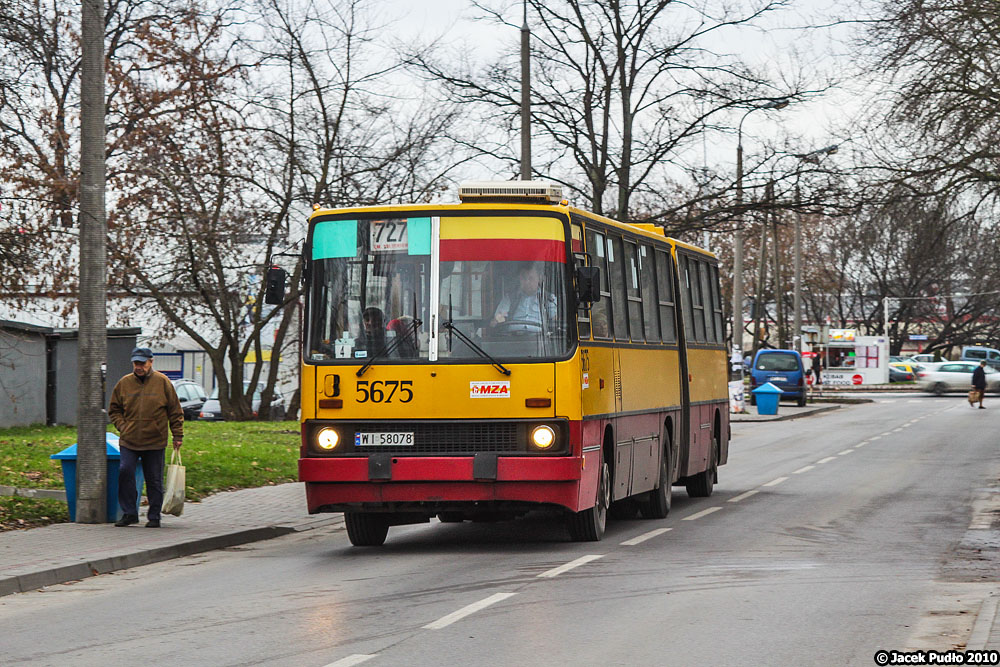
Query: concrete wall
{"x": 22, "y": 378}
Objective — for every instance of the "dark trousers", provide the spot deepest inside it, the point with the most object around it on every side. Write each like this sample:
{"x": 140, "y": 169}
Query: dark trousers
{"x": 152, "y": 470}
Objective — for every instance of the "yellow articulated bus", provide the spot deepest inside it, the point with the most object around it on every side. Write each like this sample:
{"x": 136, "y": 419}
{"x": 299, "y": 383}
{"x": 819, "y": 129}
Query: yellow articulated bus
{"x": 480, "y": 360}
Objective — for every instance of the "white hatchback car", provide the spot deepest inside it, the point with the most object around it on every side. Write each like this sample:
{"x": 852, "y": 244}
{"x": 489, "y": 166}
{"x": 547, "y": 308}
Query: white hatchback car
{"x": 954, "y": 376}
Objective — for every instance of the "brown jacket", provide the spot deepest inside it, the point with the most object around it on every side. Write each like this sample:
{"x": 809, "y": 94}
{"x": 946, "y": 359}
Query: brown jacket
{"x": 141, "y": 409}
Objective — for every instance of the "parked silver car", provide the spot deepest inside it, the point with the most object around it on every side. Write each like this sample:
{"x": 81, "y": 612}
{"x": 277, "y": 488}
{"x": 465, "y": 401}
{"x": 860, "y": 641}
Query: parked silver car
{"x": 954, "y": 376}
{"x": 212, "y": 410}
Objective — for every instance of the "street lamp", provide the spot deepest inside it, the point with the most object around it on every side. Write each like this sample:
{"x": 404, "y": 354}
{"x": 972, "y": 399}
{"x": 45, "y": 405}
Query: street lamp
{"x": 814, "y": 158}
{"x": 780, "y": 103}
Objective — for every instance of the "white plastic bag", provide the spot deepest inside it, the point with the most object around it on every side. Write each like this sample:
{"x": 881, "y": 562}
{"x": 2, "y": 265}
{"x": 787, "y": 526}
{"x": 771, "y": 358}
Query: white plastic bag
{"x": 173, "y": 489}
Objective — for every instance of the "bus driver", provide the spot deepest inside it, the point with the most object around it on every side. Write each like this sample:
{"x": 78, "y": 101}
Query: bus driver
{"x": 522, "y": 311}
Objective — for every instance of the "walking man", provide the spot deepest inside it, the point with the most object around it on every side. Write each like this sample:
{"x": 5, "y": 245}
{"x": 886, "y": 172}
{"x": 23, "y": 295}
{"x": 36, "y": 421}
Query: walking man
{"x": 143, "y": 404}
{"x": 979, "y": 384}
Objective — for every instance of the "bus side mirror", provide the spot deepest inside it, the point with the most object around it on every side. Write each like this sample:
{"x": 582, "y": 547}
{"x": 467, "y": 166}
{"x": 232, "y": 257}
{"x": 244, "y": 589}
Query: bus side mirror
{"x": 274, "y": 292}
{"x": 588, "y": 284}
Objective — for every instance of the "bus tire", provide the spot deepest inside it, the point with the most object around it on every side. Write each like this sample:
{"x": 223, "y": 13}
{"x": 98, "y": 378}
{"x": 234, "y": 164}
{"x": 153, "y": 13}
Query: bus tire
{"x": 589, "y": 525}
{"x": 365, "y": 529}
{"x": 702, "y": 484}
{"x": 658, "y": 501}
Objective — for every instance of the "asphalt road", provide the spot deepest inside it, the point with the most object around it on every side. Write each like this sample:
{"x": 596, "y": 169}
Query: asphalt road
{"x": 827, "y": 538}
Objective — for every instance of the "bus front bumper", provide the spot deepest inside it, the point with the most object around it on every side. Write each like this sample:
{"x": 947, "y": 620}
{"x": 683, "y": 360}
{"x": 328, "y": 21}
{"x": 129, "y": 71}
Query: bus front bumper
{"x": 337, "y": 484}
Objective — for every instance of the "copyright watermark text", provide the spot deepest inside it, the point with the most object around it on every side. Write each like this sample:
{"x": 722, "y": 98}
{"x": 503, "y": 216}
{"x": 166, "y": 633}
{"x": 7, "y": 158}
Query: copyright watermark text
{"x": 951, "y": 657}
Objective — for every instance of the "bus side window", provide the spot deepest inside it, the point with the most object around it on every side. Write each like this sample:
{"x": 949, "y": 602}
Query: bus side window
{"x": 697, "y": 300}
{"x": 616, "y": 267}
{"x": 687, "y": 277}
{"x": 600, "y": 321}
{"x": 649, "y": 284}
{"x": 633, "y": 292}
{"x": 705, "y": 273}
{"x": 665, "y": 294}
{"x": 583, "y": 313}
{"x": 720, "y": 331}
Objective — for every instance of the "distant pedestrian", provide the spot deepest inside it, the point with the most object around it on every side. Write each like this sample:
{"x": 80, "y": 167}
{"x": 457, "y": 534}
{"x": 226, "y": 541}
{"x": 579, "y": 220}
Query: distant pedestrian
{"x": 143, "y": 405}
{"x": 978, "y": 385}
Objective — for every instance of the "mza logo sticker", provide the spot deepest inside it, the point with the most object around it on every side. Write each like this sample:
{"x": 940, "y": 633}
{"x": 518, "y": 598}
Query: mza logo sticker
{"x": 489, "y": 389}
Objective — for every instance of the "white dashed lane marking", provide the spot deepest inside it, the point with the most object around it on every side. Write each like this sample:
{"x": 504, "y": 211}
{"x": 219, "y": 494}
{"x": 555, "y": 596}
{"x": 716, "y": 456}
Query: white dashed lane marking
{"x": 454, "y": 616}
{"x": 744, "y": 496}
{"x": 351, "y": 660}
{"x": 645, "y": 536}
{"x": 803, "y": 469}
{"x": 846, "y": 451}
{"x": 701, "y": 514}
{"x": 775, "y": 482}
{"x": 556, "y": 571}
{"x": 827, "y": 459}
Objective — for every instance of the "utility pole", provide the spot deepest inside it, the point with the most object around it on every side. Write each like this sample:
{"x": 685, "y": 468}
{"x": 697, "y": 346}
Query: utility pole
{"x": 92, "y": 419}
{"x": 760, "y": 306}
{"x": 885, "y": 317}
{"x": 738, "y": 236}
{"x": 779, "y": 293}
{"x": 797, "y": 269}
{"x": 525, "y": 97}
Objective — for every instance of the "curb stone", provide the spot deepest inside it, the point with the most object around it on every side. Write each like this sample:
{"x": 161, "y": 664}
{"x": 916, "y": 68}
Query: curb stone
{"x": 65, "y": 573}
{"x": 778, "y": 418}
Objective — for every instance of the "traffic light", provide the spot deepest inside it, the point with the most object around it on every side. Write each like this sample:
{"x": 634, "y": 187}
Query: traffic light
{"x": 274, "y": 293}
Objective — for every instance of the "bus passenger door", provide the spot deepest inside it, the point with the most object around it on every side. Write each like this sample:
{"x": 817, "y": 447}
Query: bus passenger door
{"x": 623, "y": 443}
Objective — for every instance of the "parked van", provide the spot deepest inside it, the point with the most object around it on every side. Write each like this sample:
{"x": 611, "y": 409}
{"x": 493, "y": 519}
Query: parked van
{"x": 976, "y": 353}
{"x": 783, "y": 369}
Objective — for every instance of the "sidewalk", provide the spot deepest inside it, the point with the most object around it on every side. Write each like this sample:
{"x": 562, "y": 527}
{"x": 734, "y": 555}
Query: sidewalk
{"x": 37, "y": 557}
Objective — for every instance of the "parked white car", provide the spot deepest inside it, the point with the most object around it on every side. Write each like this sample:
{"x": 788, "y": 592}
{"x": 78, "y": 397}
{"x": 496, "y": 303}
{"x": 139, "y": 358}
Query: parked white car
{"x": 954, "y": 376}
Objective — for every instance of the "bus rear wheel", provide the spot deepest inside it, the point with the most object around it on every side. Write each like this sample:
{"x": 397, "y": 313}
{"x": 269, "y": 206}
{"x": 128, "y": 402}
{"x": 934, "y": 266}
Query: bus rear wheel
{"x": 365, "y": 529}
{"x": 589, "y": 525}
{"x": 657, "y": 503}
{"x": 702, "y": 484}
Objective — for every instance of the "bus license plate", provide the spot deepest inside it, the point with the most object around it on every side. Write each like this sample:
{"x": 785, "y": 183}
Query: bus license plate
{"x": 382, "y": 439}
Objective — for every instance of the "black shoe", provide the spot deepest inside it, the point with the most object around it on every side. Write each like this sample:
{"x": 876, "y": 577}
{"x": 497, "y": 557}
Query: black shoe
{"x": 153, "y": 523}
{"x": 127, "y": 520}
{"x": 981, "y": 407}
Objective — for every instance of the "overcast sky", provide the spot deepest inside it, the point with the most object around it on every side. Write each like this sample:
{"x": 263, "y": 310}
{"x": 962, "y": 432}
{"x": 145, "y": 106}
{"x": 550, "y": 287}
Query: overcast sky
{"x": 784, "y": 47}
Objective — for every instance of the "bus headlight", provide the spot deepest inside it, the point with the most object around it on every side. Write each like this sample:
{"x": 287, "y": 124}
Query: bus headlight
{"x": 543, "y": 437}
{"x": 327, "y": 438}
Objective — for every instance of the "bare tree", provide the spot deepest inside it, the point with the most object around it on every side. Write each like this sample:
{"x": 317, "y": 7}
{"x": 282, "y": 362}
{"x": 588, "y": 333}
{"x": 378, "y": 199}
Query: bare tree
{"x": 620, "y": 91}
{"x": 942, "y": 94}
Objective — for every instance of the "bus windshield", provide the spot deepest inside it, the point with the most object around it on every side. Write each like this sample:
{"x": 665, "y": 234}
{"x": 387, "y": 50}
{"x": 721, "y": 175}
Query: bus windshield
{"x": 501, "y": 289}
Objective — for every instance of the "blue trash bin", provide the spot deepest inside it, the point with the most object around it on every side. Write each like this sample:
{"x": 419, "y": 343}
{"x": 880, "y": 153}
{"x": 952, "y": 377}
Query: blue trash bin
{"x": 68, "y": 459}
{"x": 767, "y": 397}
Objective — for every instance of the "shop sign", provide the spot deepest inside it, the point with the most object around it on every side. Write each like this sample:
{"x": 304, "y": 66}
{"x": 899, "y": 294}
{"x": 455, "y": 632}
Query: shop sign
{"x": 842, "y": 335}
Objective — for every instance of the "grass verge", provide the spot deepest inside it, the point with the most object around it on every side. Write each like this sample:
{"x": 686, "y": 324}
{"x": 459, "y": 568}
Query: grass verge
{"x": 218, "y": 456}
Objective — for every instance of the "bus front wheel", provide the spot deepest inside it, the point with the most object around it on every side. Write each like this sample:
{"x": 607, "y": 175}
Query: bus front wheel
{"x": 589, "y": 525}
{"x": 702, "y": 484}
{"x": 365, "y": 529}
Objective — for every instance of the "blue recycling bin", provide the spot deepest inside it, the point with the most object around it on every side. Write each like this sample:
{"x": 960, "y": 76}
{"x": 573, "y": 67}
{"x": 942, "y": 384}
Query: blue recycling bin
{"x": 767, "y": 397}
{"x": 68, "y": 459}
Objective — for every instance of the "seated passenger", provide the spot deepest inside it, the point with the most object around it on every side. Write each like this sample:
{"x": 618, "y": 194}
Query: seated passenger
{"x": 402, "y": 327}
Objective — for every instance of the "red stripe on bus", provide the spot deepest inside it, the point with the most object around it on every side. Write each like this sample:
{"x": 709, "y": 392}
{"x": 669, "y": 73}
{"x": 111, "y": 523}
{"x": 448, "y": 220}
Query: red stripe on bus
{"x": 518, "y": 250}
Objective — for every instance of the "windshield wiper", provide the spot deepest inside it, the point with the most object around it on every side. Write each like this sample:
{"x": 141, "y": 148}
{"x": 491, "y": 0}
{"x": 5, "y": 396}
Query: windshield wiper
{"x": 388, "y": 349}
{"x": 483, "y": 353}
